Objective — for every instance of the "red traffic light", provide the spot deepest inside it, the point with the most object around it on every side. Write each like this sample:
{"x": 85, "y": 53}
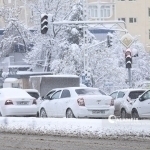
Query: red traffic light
{"x": 128, "y": 58}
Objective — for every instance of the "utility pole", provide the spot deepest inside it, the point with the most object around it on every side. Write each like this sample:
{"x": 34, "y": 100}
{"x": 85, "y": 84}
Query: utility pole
{"x": 84, "y": 2}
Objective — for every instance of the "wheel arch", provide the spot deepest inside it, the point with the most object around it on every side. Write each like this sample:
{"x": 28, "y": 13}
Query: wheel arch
{"x": 71, "y": 110}
{"x": 134, "y": 109}
{"x": 67, "y": 110}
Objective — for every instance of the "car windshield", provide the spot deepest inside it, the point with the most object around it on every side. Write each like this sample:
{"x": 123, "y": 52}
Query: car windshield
{"x": 34, "y": 94}
{"x": 135, "y": 94}
{"x": 88, "y": 92}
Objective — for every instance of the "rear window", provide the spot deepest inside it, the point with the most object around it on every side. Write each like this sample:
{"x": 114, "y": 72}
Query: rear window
{"x": 33, "y": 94}
{"x": 135, "y": 94}
{"x": 88, "y": 92}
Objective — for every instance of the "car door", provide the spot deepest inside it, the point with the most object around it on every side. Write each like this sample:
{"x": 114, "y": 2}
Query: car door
{"x": 118, "y": 103}
{"x": 54, "y": 101}
{"x": 114, "y": 96}
{"x": 144, "y": 105}
{"x": 49, "y": 104}
{"x": 63, "y": 102}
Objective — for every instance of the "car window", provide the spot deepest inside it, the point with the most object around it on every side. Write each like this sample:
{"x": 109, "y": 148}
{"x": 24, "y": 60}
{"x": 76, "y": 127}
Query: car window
{"x": 146, "y": 95}
{"x": 114, "y": 95}
{"x": 49, "y": 94}
{"x": 88, "y": 91}
{"x": 65, "y": 94}
{"x": 121, "y": 94}
{"x": 34, "y": 94}
{"x": 135, "y": 94}
{"x": 56, "y": 95}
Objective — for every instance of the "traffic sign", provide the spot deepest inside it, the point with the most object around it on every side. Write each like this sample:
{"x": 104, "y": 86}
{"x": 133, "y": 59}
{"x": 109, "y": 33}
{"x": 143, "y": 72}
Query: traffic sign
{"x": 127, "y": 40}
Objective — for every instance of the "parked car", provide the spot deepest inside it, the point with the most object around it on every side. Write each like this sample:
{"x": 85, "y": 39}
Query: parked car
{"x": 76, "y": 102}
{"x": 123, "y": 100}
{"x": 34, "y": 93}
{"x": 16, "y": 102}
{"x": 141, "y": 106}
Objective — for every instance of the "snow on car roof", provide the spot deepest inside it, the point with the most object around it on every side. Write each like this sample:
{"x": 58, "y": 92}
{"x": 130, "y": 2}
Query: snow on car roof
{"x": 31, "y": 90}
{"x": 14, "y": 93}
{"x": 131, "y": 90}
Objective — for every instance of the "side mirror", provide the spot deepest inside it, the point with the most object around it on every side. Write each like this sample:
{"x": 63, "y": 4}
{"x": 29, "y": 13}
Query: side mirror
{"x": 42, "y": 97}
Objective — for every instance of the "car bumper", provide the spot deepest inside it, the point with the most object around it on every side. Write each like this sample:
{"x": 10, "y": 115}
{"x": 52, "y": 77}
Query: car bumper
{"x": 20, "y": 111}
{"x": 84, "y": 112}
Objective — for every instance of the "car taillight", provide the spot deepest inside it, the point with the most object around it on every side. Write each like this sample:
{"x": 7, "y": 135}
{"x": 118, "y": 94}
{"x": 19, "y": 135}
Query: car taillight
{"x": 80, "y": 102}
{"x": 34, "y": 102}
{"x": 112, "y": 103}
{"x": 8, "y": 102}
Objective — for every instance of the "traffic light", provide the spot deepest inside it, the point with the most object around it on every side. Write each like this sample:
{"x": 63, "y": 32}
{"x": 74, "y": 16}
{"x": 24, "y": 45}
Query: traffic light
{"x": 128, "y": 58}
{"x": 109, "y": 39}
{"x": 44, "y": 23}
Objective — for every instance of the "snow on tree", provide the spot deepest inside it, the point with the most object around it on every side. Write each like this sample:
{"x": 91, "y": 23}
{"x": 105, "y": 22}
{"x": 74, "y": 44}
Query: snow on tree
{"x": 15, "y": 32}
{"x": 46, "y": 47}
{"x": 61, "y": 50}
{"x": 65, "y": 48}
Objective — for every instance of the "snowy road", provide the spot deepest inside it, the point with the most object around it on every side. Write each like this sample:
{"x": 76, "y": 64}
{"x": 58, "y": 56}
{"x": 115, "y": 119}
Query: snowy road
{"x": 35, "y": 142}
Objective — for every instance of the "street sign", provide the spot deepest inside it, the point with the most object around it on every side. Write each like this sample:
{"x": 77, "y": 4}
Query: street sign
{"x": 127, "y": 40}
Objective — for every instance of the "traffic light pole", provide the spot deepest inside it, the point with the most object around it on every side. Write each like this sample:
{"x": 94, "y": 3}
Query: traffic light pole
{"x": 129, "y": 77}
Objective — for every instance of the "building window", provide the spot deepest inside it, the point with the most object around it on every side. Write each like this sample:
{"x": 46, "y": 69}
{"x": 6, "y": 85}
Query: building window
{"x": 132, "y": 20}
{"x": 93, "y": 13}
{"x": 105, "y": 11}
{"x": 132, "y": 0}
{"x": 149, "y": 33}
{"x": 123, "y": 19}
{"x": 121, "y": 0}
{"x": 149, "y": 12}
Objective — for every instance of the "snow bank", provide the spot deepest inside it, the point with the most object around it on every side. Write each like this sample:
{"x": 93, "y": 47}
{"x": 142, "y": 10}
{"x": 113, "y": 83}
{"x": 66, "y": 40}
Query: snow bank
{"x": 89, "y": 128}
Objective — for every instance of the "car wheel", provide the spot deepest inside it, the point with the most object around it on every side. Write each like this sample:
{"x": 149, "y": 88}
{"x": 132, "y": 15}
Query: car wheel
{"x": 123, "y": 114}
{"x": 43, "y": 113}
{"x": 69, "y": 114}
{"x": 135, "y": 114}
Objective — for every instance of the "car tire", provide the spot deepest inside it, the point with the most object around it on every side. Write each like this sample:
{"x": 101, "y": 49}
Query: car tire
{"x": 135, "y": 114}
{"x": 43, "y": 113}
{"x": 123, "y": 114}
{"x": 69, "y": 114}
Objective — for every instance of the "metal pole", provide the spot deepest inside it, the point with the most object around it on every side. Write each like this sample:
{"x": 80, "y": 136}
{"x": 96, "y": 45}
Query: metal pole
{"x": 84, "y": 2}
{"x": 129, "y": 76}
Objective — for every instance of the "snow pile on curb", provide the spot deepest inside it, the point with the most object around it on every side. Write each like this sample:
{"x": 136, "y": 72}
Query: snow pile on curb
{"x": 90, "y": 128}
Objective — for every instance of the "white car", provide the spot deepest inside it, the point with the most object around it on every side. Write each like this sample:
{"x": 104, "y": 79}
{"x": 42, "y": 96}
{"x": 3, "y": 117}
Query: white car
{"x": 17, "y": 102}
{"x": 34, "y": 93}
{"x": 76, "y": 102}
{"x": 123, "y": 100}
{"x": 141, "y": 106}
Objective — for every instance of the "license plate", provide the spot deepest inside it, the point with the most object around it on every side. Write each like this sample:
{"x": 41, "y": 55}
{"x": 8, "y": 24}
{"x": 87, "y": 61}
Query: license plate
{"x": 22, "y": 103}
{"x": 98, "y": 111}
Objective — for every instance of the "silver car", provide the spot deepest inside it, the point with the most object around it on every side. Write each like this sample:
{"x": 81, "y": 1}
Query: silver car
{"x": 123, "y": 100}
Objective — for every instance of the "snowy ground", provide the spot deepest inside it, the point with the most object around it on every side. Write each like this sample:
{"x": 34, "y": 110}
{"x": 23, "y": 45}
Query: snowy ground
{"x": 91, "y": 128}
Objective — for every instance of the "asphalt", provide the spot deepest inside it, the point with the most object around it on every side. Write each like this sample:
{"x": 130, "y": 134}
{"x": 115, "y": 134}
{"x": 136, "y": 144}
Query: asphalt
{"x": 41, "y": 142}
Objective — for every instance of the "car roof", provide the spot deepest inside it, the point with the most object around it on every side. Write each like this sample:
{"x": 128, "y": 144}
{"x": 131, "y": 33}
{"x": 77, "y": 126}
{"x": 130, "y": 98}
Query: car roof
{"x": 31, "y": 90}
{"x": 125, "y": 90}
{"x": 11, "y": 89}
